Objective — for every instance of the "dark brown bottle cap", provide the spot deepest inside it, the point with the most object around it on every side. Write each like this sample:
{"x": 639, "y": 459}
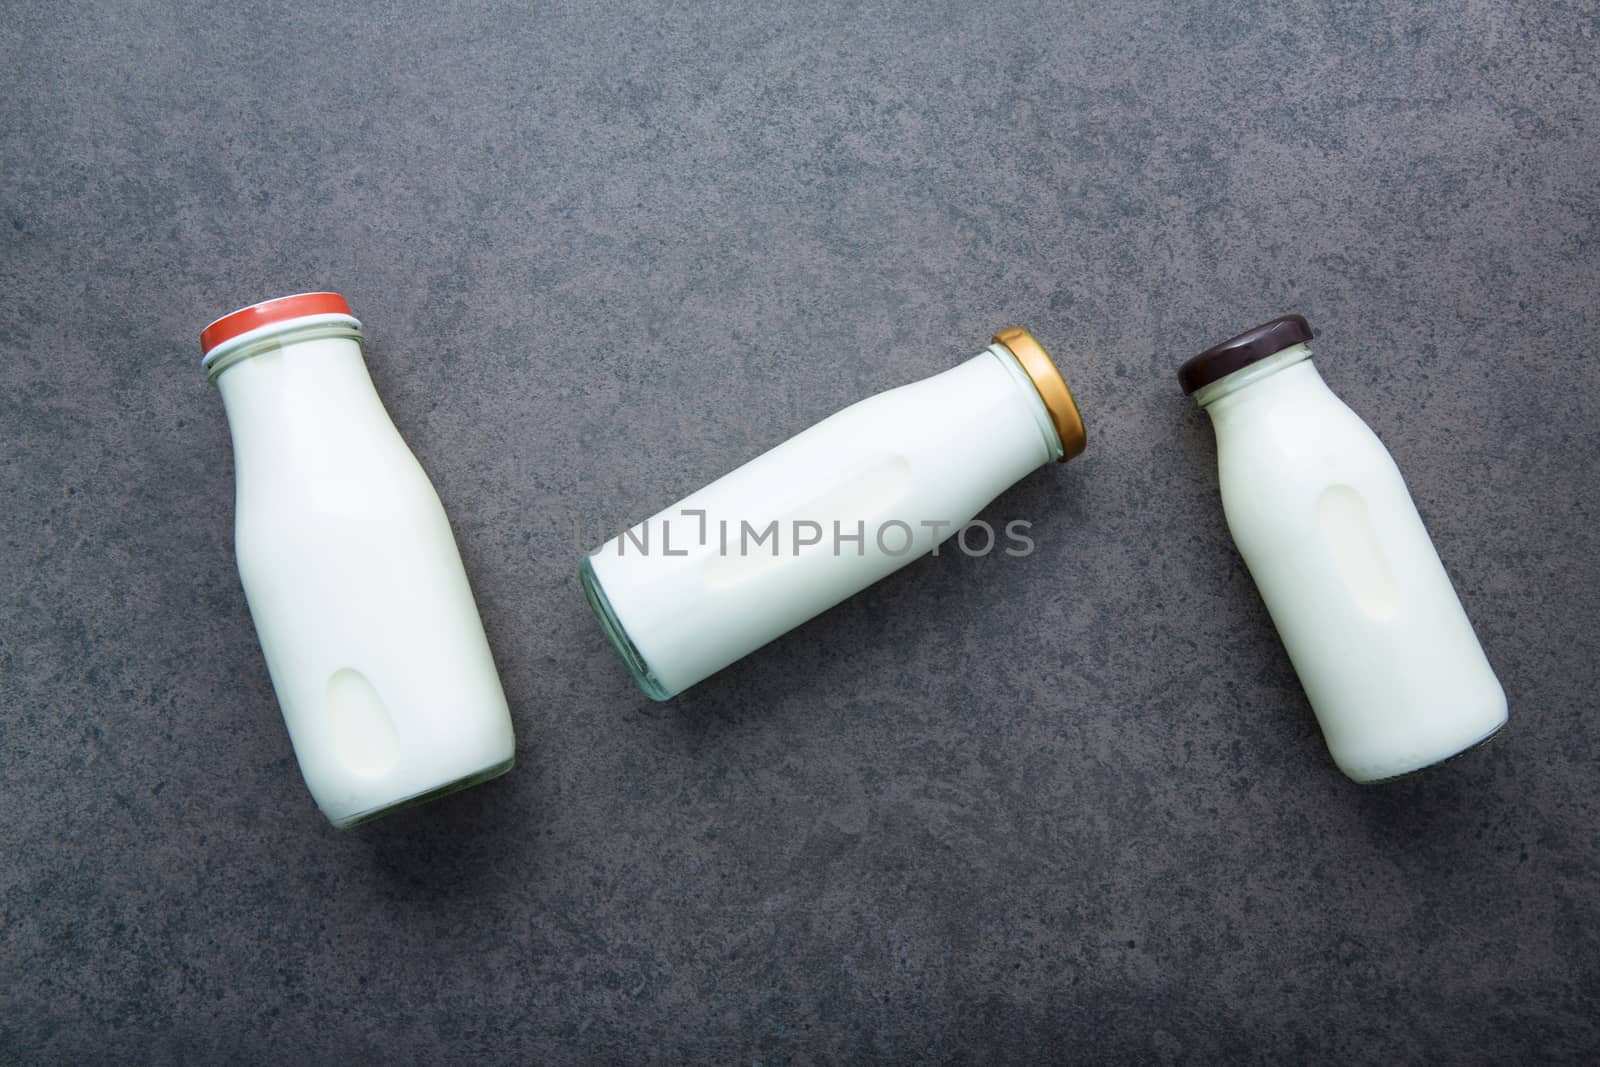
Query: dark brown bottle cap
{"x": 1257, "y": 343}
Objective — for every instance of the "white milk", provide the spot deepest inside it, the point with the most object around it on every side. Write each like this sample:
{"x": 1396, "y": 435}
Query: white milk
{"x": 370, "y": 633}
{"x": 1329, "y": 532}
{"x": 827, "y": 513}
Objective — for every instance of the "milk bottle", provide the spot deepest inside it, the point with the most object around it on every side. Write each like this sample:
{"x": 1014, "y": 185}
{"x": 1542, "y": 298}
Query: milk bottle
{"x": 1325, "y": 524}
{"x": 827, "y": 513}
{"x": 370, "y": 632}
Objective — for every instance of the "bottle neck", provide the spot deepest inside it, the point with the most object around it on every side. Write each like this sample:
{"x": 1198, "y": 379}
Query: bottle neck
{"x": 274, "y": 336}
{"x": 1030, "y": 398}
{"x": 1289, "y": 369}
{"x": 300, "y": 394}
{"x": 319, "y": 357}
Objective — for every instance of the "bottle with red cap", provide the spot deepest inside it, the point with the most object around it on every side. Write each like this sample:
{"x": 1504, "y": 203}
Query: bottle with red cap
{"x": 1330, "y": 534}
{"x": 371, "y": 635}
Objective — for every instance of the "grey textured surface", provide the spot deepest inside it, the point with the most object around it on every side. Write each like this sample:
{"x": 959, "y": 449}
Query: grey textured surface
{"x": 1072, "y": 807}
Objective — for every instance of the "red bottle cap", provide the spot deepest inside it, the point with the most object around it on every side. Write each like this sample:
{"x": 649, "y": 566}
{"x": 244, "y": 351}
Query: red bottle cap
{"x": 268, "y": 312}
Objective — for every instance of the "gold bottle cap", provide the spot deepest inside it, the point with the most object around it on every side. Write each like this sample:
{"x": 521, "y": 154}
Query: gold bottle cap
{"x": 1052, "y": 388}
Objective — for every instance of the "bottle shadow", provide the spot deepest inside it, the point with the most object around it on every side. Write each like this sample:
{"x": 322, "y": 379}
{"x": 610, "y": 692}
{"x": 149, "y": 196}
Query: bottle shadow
{"x": 1445, "y": 801}
{"x": 455, "y": 845}
{"x": 822, "y": 656}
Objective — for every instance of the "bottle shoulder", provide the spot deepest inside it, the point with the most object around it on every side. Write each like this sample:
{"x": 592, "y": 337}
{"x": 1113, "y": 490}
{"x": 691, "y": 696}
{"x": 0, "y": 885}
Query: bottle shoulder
{"x": 334, "y": 489}
{"x": 1279, "y": 460}
{"x": 1306, "y": 432}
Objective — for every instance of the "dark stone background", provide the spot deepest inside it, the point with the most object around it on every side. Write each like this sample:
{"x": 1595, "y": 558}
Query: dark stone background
{"x": 1072, "y": 807}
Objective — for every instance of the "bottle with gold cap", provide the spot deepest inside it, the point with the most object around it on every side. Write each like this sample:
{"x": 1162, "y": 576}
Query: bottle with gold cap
{"x": 828, "y": 512}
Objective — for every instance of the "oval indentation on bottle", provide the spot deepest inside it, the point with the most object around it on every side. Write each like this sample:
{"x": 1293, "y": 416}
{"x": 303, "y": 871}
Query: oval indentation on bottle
{"x": 865, "y": 494}
{"x": 363, "y": 732}
{"x": 1347, "y": 527}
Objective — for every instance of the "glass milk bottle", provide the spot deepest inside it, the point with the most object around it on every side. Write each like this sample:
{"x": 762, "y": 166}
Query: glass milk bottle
{"x": 370, "y": 632}
{"x": 827, "y": 513}
{"x": 1326, "y": 526}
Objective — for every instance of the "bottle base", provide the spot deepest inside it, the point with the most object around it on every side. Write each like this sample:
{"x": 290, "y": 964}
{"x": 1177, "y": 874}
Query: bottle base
{"x": 1470, "y": 746}
{"x": 631, "y": 659}
{"x": 455, "y": 786}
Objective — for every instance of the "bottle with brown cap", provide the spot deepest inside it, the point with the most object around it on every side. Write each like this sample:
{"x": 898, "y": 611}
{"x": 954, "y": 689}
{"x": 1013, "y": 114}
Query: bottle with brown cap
{"x": 1330, "y": 534}
{"x": 828, "y": 512}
